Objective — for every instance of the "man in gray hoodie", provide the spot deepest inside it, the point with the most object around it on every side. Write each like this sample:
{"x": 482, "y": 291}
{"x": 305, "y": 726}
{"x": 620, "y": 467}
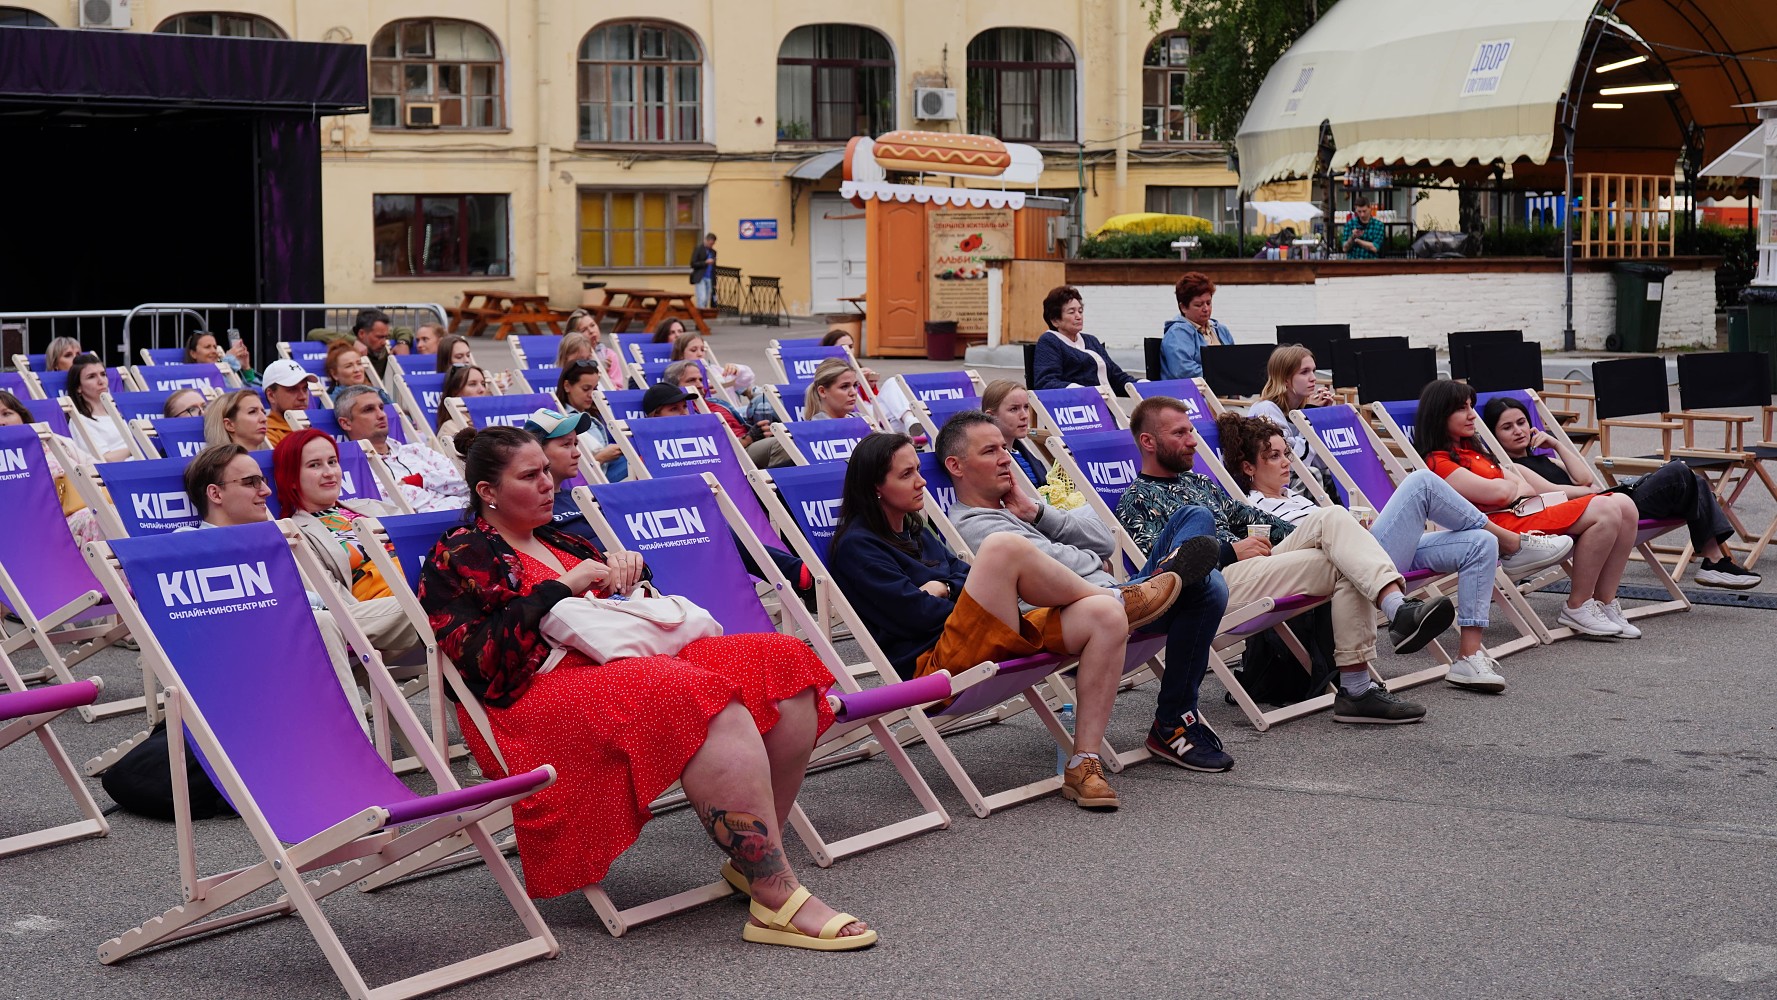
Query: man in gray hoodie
{"x": 972, "y": 447}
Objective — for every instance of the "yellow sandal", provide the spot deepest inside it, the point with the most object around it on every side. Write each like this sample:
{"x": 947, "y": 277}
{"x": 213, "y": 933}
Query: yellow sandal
{"x": 733, "y": 877}
{"x": 779, "y": 930}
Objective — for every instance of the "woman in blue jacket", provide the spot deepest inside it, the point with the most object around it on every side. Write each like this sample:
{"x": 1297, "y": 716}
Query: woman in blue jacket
{"x": 1067, "y": 356}
{"x": 1182, "y": 342}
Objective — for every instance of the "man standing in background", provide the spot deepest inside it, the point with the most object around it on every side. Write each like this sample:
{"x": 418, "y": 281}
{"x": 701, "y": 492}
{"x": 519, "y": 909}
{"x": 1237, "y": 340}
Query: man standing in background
{"x": 703, "y": 271}
{"x": 1364, "y": 234}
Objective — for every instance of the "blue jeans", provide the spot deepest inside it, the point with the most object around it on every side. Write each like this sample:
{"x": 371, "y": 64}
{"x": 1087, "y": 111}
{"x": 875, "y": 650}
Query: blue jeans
{"x": 1467, "y": 549}
{"x": 706, "y": 290}
{"x": 1191, "y": 623}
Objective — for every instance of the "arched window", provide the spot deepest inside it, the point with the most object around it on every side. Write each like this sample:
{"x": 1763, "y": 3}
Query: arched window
{"x": 834, "y": 81}
{"x": 640, "y": 81}
{"x": 226, "y": 25}
{"x": 19, "y": 17}
{"x": 1163, "y": 74}
{"x": 1021, "y": 85}
{"x": 454, "y": 65}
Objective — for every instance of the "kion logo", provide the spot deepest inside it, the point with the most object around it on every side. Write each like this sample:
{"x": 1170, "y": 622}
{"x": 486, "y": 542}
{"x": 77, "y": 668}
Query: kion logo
{"x": 216, "y": 583}
{"x": 168, "y": 384}
{"x": 1193, "y": 408}
{"x": 803, "y": 368}
{"x": 1111, "y": 473}
{"x": 504, "y": 420}
{"x": 347, "y": 486}
{"x": 189, "y": 449}
{"x": 683, "y": 448}
{"x": 430, "y": 398}
{"x": 821, "y": 513}
{"x": 12, "y": 460}
{"x": 837, "y": 450}
{"x": 656, "y": 524}
{"x": 1340, "y": 438}
{"x": 945, "y": 495}
{"x": 1075, "y": 416}
{"x": 931, "y": 394}
{"x": 162, "y": 507}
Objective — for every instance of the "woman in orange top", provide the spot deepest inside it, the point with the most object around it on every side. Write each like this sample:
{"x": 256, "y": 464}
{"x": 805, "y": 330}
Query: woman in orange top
{"x": 1603, "y": 526}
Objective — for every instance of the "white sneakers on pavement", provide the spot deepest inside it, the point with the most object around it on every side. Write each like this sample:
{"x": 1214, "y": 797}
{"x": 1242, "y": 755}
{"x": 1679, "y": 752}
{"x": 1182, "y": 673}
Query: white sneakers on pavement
{"x": 1589, "y": 620}
{"x": 1614, "y": 611}
{"x": 1536, "y": 552}
{"x": 1476, "y": 672}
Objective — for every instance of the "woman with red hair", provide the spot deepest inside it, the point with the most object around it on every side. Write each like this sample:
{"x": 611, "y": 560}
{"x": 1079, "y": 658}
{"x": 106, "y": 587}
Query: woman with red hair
{"x": 1185, "y": 335}
{"x": 305, "y": 466}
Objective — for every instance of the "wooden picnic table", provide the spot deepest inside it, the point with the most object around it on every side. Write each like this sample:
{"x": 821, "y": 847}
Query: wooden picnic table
{"x": 505, "y": 309}
{"x": 650, "y": 306}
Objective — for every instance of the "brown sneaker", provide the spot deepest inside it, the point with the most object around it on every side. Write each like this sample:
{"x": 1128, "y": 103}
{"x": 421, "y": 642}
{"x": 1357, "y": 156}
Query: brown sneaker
{"x": 1085, "y": 786}
{"x": 1144, "y": 602}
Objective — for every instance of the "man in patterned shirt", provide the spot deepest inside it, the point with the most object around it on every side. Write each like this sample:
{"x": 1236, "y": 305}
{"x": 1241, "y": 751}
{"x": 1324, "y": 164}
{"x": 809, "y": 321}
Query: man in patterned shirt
{"x": 1328, "y": 553}
{"x": 1364, "y": 234}
{"x": 427, "y": 479}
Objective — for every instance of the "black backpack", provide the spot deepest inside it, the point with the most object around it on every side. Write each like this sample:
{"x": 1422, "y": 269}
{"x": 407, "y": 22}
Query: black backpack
{"x": 142, "y": 781}
{"x": 1270, "y": 672}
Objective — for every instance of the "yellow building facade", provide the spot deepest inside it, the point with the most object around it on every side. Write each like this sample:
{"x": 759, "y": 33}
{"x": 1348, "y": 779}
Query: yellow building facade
{"x": 541, "y": 144}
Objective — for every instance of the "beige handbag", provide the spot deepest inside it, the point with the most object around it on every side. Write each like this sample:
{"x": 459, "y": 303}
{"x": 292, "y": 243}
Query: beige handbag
{"x": 616, "y": 628}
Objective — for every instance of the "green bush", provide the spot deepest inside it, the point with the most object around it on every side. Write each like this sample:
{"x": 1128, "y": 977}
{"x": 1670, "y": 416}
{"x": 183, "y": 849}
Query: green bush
{"x": 1158, "y": 246}
{"x": 1521, "y": 241}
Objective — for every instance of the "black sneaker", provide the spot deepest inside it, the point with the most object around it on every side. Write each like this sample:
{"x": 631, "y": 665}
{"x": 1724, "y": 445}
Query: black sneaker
{"x": 1375, "y": 707}
{"x": 1724, "y": 572}
{"x": 1193, "y": 559}
{"x": 1192, "y": 745}
{"x": 1418, "y": 623}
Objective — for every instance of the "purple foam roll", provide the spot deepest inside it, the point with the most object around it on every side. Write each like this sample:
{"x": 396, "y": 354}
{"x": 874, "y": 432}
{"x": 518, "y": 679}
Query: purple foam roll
{"x": 892, "y": 697}
{"x": 52, "y": 698}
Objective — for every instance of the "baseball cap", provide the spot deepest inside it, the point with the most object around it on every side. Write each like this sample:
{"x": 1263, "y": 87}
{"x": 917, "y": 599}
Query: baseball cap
{"x": 284, "y": 372}
{"x": 661, "y": 394}
{"x": 554, "y": 423}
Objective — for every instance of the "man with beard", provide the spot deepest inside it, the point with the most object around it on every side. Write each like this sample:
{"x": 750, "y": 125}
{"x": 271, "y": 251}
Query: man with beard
{"x": 1327, "y": 553}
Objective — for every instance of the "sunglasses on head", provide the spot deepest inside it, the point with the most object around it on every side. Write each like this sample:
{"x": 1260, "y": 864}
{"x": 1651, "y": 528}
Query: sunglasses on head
{"x": 582, "y": 365}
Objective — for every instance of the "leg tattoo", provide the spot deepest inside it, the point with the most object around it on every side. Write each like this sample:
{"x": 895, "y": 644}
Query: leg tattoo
{"x": 747, "y": 840}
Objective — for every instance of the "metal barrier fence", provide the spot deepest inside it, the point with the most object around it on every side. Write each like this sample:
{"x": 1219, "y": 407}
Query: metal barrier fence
{"x": 117, "y": 334}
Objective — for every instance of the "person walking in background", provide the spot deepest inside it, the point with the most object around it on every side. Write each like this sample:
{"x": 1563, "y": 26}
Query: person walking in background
{"x": 703, "y": 271}
{"x": 1183, "y": 339}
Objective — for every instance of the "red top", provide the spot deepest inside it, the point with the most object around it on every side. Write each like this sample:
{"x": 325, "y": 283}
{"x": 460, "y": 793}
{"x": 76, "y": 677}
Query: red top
{"x": 1550, "y": 519}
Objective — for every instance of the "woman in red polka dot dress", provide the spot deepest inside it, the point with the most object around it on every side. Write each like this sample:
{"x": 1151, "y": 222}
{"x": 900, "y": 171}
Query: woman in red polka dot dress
{"x": 732, "y": 718}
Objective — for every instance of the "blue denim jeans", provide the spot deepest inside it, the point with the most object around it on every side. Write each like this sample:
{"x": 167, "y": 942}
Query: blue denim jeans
{"x": 1467, "y": 549}
{"x": 705, "y": 291}
{"x": 1191, "y": 622}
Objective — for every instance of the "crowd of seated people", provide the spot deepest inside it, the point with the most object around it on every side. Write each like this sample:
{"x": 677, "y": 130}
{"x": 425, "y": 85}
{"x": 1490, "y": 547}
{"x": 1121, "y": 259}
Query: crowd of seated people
{"x": 733, "y": 718}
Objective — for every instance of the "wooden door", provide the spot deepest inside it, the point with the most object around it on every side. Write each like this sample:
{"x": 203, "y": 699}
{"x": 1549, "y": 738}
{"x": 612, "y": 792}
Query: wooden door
{"x": 896, "y": 302}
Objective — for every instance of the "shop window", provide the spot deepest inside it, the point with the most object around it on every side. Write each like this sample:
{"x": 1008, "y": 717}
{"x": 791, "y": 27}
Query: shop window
{"x": 1165, "y": 70}
{"x": 442, "y": 235}
{"x": 454, "y": 65}
{"x": 834, "y": 81}
{"x": 640, "y": 81}
{"x": 645, "y": 228}
{"x": 1021, "y": 86}
{"x": 19, "y": 17}
{"x": 1216, "y": 204}
{"x": 221, "y": 25}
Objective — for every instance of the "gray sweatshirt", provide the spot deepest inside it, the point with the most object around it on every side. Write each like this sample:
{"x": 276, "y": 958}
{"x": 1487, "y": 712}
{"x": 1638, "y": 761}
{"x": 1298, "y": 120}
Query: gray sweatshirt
{"x": 1075, "y": 538}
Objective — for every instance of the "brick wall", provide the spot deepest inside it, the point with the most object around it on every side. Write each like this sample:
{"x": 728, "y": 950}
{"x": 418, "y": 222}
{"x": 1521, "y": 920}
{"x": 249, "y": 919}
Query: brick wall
{"x": 1421, "y": 307}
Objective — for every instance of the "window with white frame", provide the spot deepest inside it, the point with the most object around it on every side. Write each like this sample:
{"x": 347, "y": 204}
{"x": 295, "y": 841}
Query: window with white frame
{"x": 640, "y": 81}
{"x": 1021, "y": 86}
{"x": 454, "y": 64}
{"x": 1216, "y": 204}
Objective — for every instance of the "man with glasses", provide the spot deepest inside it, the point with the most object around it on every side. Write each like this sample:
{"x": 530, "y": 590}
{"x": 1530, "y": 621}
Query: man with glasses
{"x": 286, "y": 387}
{"x": 427, "y": 479}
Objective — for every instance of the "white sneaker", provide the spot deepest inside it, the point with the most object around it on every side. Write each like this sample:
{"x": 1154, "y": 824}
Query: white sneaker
{"x": 1589, "y": 620}
{"x": 1614, "y": 611}
{"x": 1476, "y": 672}
{"x": 1536, "y": 552}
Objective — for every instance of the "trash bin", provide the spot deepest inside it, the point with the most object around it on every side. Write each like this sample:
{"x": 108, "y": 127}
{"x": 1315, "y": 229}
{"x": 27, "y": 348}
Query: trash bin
{"x": 941, "y": 340}
{"x": 1640, "y": 287}
{"x": 1761, "y": 322}
{"x": 1737, "y": 331}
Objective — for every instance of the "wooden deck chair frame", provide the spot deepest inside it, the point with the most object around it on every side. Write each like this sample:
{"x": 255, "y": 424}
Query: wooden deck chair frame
{"x": 109, "y": 412}
{"x": 93, "y": 823}
{"x": 408, "y": 404}
{"x": 342, "y": 849}
{"x": 1236, "y": 625}
{"x": 1677, "y": 602}
{"x": 787, "y": 438}
{"x": 1749, "y": 467}
{"x": 1518, "y": 612}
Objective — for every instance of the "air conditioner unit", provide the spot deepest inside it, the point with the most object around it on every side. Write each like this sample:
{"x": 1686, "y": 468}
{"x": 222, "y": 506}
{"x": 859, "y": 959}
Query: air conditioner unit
{"x": 104, "y": 13}
{"x": 934, "y": 104}
{"x": 422, "y": 115}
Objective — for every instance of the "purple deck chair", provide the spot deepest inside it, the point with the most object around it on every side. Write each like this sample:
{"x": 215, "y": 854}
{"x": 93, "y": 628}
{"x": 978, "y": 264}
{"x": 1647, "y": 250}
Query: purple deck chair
{"x": 934, "y": 414}
{"x": 536, "y": 350}
{"x": 813, "y": 442}
{"x": 426, "y": 391}
{"x": 163, "y": 356}
{"x": 50, "y": 412}
{"x": 654, "y": 354}
{"x": 17, "y": 384}
{"x": 676, "y": 525}
{"x": 56, "y": 383}
{"x": 651, "y": 372}
{"x": 928, "y": 386}
{"x": 284, "y": 744}
{"x": 1072, "y": 411}
{"x": 626, "y": 343}
{"x": 799, "y": 363}
{"x": 165, "y": 378}
{"x": 140, "y": 405}
{"x": 783, "y": 342}
{"x": 149, "y": 496}
{"x": 938, "y": 483}
{"x": 315, "y": 365}
{"x": 506, "y": 411}
{"x": 296, "y": 350}
{"x": 43, "y": 579}
{"x": 791, "y": 396}
{"x": 28, "y": 713}
{"x": 661, "y": 447}
{"x": 178, "y": 437}
{"x": 622, "y": 404}
{"x": 1106, "y": 462}
{"x": 406, "y": 363}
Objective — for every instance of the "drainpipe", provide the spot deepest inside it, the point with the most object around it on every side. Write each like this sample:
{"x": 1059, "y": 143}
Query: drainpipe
{"x": 543, "y": 208}
{"x": 1122, "y": 93}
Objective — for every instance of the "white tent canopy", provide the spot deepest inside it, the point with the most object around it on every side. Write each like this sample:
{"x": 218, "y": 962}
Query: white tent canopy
{"x": 1416, "y": 82}
{"x": 1747, "y": 158}
{"x": 1285, "y": 211}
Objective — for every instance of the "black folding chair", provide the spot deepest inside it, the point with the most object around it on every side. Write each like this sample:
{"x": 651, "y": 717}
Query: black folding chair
{"x": 1347, "y": 370}
{"x": 1402, "y": 373}
{"x": 1030, "y": 365}
{"x": 1716, "y": 381}
{"x": 1150, "y": 349}
{"x": 1235, "y": 370}
{"x": 1463, "y": 346}
{"x": 1317, "y": 337}
{"x": 1502, "y": 366}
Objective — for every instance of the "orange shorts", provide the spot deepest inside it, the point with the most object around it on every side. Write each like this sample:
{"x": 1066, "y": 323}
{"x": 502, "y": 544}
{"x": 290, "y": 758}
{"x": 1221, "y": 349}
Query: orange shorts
{"x": 973, "y": 635}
